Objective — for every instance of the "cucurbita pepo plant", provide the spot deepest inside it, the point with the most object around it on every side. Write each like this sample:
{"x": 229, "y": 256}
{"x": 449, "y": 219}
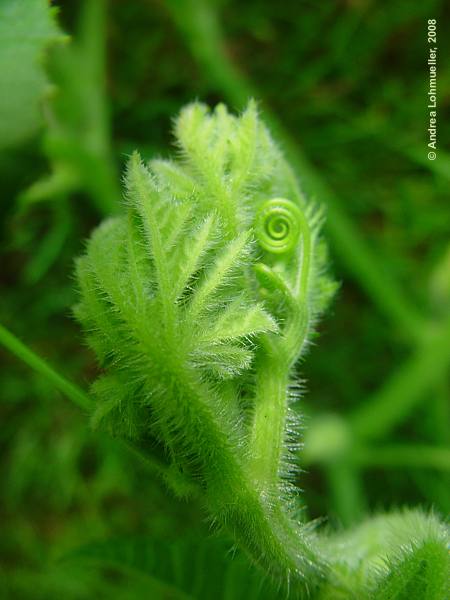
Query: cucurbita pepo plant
{"x": 198, "y": 301}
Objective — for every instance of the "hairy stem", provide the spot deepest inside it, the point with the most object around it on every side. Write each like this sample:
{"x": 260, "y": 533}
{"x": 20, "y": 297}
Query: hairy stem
{"x": 267, "y": 441}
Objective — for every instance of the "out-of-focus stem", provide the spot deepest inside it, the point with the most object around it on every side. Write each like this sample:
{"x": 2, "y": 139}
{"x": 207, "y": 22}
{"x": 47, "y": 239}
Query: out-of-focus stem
{"x": 404, "y": 455}
{"x": 428, "y": 364}
{"x": 69, "y": 389}
{"x": 346, "y": 491}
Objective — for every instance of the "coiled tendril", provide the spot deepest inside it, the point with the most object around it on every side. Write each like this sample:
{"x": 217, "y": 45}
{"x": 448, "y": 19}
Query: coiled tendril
{"x": 278, "y": 226}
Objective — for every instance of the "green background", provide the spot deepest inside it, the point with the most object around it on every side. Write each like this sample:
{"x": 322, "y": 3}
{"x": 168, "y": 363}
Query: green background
{"x": 343, "y": 85}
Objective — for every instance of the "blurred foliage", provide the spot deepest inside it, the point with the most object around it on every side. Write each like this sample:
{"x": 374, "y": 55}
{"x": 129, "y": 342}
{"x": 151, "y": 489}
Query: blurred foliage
{"x": 22, "y": 75}
{"x": 348, "y": 83}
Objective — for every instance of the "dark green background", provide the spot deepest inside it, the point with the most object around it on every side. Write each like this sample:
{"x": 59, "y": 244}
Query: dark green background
{"x": 342, "y": 82}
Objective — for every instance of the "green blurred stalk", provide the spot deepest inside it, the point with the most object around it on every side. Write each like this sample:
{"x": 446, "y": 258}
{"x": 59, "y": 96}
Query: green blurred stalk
{"x": 401, "y": 393}
{"x": 78, "y": 136}
{"x": 344, "y": 483}
{"x": 16, "y": 347}
{"x": 83, "y": 401}
{"x": 404, "y": 455}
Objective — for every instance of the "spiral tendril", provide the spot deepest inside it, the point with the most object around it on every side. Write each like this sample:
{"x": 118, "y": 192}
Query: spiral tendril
{"x": 278, "y": 226}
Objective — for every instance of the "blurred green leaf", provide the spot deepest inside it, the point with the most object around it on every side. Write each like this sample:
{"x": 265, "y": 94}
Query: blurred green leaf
{"x": 77, "y": 140}
{"x": 27, "y": 29}
{"x": 196, "y": 569}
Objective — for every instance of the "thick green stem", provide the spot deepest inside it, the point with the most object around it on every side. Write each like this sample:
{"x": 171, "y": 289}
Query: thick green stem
{"x": 284, "y": 549}
{"x": 268, "y": 436}
{"x": 251, "y": 512}
{"x": 267, "y": 441}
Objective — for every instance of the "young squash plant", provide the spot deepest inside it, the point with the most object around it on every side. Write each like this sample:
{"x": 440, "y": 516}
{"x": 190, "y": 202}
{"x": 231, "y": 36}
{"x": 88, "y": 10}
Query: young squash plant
{"x": 199, "y": 300}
